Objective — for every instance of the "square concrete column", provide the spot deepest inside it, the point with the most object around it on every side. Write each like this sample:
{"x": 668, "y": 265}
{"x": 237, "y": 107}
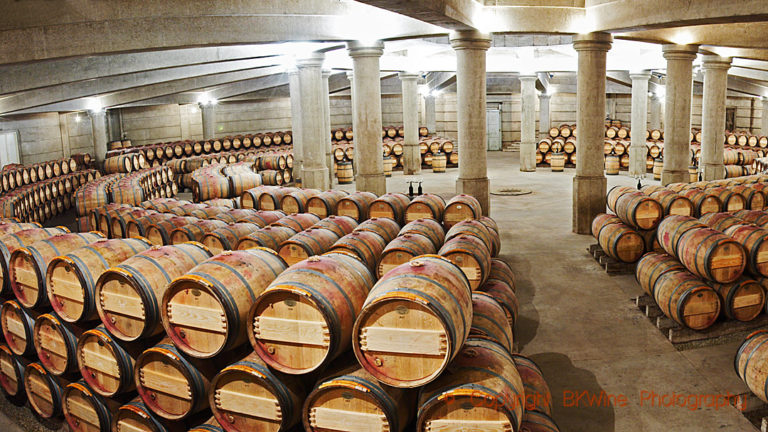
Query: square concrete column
{"x": 351, "y": 78}
{"x": 528, "y": 123}
{"x": 713, "y": 116}
{"x": 367, "y": 108}
{"x": 589, "y": 183}
{"x": 637, "y": 150}
{"x": 544, "y": 117}
{"x": 295, "y": 89}
{"x": 327, "y": 119}
{"x": 430, "y": 114}
{"x": 314, "y": 172}
{"x": 764, "y": 118}
{"x": 99, "y": 134}
{"x": 411, "y": 154}
{"x": 655, "y": 112}
{"x": 208, "y": 112}
{"x": 677, "y": 112}
{"x": 471, "y": 47}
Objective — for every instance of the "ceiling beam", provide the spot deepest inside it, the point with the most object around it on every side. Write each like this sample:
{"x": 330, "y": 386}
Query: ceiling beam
{"x": 440, "y": 80}
{"x": 449, "y": 14}
{"x": 80, "y": 89}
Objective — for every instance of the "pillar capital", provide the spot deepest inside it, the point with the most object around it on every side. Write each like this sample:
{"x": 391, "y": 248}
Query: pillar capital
{"x": 326, "y": 73}
{"x": 350, "y": 76}
{"x": 314, "y": 59}
{"x": 715, "y": 62}
{"x": 641, "y": 75}
{"x": 544, "y": 95}
{"x": 527, "y": 78}
{"x": 408, "y": 76}
{"x": 680, "y": 52}
{"x": 361, "y": 49}
{"x": 470, "y": 40}
{"x": 97, "y": 114}
{"x": 596, "y": 41}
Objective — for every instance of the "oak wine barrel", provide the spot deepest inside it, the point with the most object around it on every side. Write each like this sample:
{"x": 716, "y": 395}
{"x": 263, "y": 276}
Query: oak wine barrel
{"x": 686, "y": 299}
{"x": 402, "y": 249}
{"x": 44, "y": 391}
{"x": 425, "y": 206}
{"x": 742, "y": 300}
{"x": 17, "y": 325}
{"x": 85, "y": 410}
{"x": 712, "y": 255}
{"x": 750, "y": 361}
{"x": 387, "y": 228}
{"x": 56, "y": 344}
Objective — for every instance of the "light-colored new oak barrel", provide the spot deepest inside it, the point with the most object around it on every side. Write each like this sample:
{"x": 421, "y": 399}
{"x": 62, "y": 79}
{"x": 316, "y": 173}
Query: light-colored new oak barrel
{"x": 459, "y": 208}
{"x": 136, "y": 417}
{"x": 385, "y": 227}
{"x": 312, "y": 241}
{"x": 356, "y": 205}
{"x": 490, "y": 321}
{"x": 172, "y": 385}
{"x": 28, "y": 265}
{"x": 85, "y": 410}
{"x": 138, "y": 227}
{"x": 248, "y": 396}
{"x": 477, "y": 229}
{"x": 639, "y": 211}
{"x": 205, "y": 311}
{"x": 750, "y": 362}
{"x": 12, "y": 374}
{"x": 401, "y": 250}
{"x": 304, "y": 318}
{"x": 269, "y": 237}
{"x": 505, "y": 295}
{"x": 71, "y": 278}
{"x": 270, "y": 199}
{"x": 471, "y": 255}
{"x": 720, "y": 221}
{"x": 195, "y": 231}
{"x": 429, "y": 228}
{"x": 425, "y": 206}
{"x": 712, "y": 255}
{"x": 365, "y": 245}
{"x": 159, "y": 233}
{"x": 298, "y": 221}
{"x": 105, "y": 363}
{"x": 756, "y": 217}
{"x": 755, "y": 242}
{"x": 296, "y": 201}
{"x": 742, "y": 300}
{"x": 340, "y": 225}
{"x": 10, "y": 242}
{"x": 390, "y": 205}
{"x": 673, "y": 203}
{"x": 686, "y": 299}
{"x": 18, "y": 328}
{"x": 128, "y": 294}
{"x": 672, "y": 228}
{"x": 44, "y": 391}
{"x": 324, "y": 204}
{"x": 56, "y": 344}
{"x": 731, "y": 200}
{"x": 651, "y": 266}
{"x": 227, "y": 237}
{"x": 351, "y": 398}
{"x": 703, "y": 202}
{"x": 414, "y": 322}
{"x": 484, "y": 386}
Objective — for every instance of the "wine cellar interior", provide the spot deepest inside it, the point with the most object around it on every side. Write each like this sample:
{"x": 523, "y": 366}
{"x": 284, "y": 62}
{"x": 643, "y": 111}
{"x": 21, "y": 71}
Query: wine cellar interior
{"x": 384, "y": 216}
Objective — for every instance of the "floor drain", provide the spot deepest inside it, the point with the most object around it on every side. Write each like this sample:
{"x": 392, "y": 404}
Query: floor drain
{"x": 511, "y": 192}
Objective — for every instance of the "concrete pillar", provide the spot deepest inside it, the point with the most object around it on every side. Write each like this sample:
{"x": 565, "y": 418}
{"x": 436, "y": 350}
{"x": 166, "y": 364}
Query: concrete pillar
{"x": 677, "y": 112}
{"x": 208, "y": 112}
{"x": 298, "y": 156}
{"x": 351, "y": 78}
{"x": 367, "y": 108}
{"x": 99, "y": 134}
{"x": 471, "y": 47}
{"x": 314, "y": 173}
{"x": 544, "y": 117}
{"x": 654, "y": 115}
{"x": 430, "y": 118}
{"x": 713, "y": 116}
{"x": 764, "y": 119}
{"x": 411, "y": 155}
{"x": 589, "y": 183}
{"x": 327, "y": 118}
{"x": 528, "y": 123}
{"x": 637, "y": 150}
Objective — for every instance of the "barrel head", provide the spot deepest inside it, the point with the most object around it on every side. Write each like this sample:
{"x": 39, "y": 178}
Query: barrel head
{"x": 418, "y": 210}
{"x": 42, "y": 391}
{"x": 469, "y": 266}
{"x": 26, "y": 278}
{"x": 196, "y": 319}
{"x": 10, "y": 376}
{"x": 135, "y": 417}
{"x": 456, "y": 212}
{"x": 121, "y": 306}
{"x": 98, "y": 363}
{"x": 401, "y": 342}
{"x": 79, "y": 410}
{"x": 382, "y": 209}
{"x": 65, "y": 290}
{"x": 163, "y": 385}
{"x": 14, "y": 323}
{"x": 243, "y": 401}
{"x": 52, "y": 345}
{"x": 699, "y": 309}
{"x": 318, "y": 207}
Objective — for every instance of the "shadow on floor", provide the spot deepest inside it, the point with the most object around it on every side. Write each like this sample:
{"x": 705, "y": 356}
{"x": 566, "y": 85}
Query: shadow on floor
{"x": 528, "y": 316}
{"x": 576, "y": 395}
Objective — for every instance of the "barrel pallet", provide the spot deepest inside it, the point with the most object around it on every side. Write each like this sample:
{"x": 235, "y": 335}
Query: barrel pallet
{"x": 611, "y": 266}
{"x": 722, "y": 332}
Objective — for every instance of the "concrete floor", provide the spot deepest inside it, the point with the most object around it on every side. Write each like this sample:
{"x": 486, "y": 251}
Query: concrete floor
{"x": 576, "y": 322}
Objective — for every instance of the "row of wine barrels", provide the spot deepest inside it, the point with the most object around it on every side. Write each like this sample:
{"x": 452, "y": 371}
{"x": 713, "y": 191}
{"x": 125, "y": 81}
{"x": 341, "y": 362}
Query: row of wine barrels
{"x": 16, "y": 176}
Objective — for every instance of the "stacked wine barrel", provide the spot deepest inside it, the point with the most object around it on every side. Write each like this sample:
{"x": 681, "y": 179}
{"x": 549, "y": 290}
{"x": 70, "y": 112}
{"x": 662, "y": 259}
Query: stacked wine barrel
{"x": 16, "y": 176}
{"x": 159, "y": 153}
{"x": 243, "y": 169}
{"x": 129, "y": 189}
{"x": 740, "y": 153}
{"x": 392, "y": 149}
{"x": 45, "y": 199}
{"x": 697, "y": 270}
{"x": 117, "y": 334}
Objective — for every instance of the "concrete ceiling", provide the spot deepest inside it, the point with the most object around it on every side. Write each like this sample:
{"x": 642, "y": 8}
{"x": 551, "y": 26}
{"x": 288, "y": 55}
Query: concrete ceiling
{"x": 80, "y": 54}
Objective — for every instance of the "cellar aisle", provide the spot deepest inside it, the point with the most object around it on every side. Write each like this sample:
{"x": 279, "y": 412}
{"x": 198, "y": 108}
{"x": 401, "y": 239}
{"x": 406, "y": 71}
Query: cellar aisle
{"x": 575, "y": 321}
